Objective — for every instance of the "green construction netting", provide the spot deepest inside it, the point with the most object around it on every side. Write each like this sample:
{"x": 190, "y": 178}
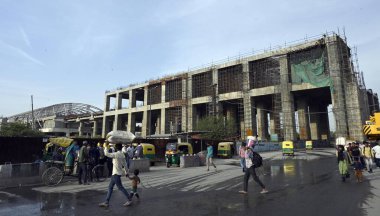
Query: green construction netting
{"x": 311, "y": 71}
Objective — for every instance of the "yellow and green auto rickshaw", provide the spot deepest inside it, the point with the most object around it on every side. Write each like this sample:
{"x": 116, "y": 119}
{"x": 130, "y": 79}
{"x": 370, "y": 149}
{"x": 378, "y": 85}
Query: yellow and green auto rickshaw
{"x": 149, "y": 151}
{"x": 287, "y": 148}
{"x": 225, "y": 149}
{"x": 174, "y": 151}
{"x": 309, "y": 145}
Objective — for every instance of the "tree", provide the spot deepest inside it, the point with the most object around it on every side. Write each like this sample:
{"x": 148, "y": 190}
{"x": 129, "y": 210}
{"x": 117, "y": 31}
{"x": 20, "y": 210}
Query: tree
{"x": 218, "y": 126}
{"x": 16, "y": 129}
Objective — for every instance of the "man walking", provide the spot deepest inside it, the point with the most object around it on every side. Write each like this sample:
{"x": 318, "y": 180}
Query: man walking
{"x": 82, "y": 163}
{"x": 210, "y": 155}
{"x": 368, "y": 156}
{"x": 376, "y": 151}
{"x": 251, "y": 170}
{"x": 119, "y": 169}
{"x": 242, "y": 156}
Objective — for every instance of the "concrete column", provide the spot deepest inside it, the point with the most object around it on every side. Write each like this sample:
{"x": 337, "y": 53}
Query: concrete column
{"x": 132, "y": 99}
{"x": 80, "y": 129}
{"x": 146, "y": 90}
{"x": 314, "y": 122}
{"x": 118, "y": 99}
{"x": 303, "y": 119}
{"x": 185, "y": 114}
{"x": 337, "y": 95}
{"x": 355, "y": 107}
{"x": 287, "y": 101}
{"x": 163, "y": 92}
{"x": 275, "y": 122}
{"x": 250, "y": 128}
{"x": 117, "y": 122}
{"x": 189, "y": 105}
{"x": 324, "y": 127}
{"x": 94, "y": 129}
{"x": 104, "y": 125}
{"x": 144, "y": 127}
{"x": 131, "y": 123}
{"x": 158, "y": 125}
{"x": 107, "y": 103}
{"x": 262, "y": 121}
{"x": 163, "y": 119}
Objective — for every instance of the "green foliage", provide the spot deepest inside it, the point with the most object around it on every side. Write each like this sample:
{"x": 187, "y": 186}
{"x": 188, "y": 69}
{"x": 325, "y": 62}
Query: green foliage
{"x": 218, "y": 126}
{"x": 17, "y": 129}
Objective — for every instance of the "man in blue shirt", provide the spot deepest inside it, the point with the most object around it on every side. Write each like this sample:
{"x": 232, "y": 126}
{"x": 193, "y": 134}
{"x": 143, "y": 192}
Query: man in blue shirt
{"x": 210, "y": 155}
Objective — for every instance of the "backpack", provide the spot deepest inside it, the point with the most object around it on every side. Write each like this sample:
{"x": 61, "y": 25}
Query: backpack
{"x": 257, "y": 160}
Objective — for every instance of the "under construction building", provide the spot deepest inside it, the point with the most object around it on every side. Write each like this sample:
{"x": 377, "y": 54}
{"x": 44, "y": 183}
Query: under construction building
{"x": 283, "y": 93}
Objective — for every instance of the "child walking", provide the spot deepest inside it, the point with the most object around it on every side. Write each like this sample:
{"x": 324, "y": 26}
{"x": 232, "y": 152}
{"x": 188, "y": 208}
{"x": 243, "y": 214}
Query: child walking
{"x": 135, "y": 181}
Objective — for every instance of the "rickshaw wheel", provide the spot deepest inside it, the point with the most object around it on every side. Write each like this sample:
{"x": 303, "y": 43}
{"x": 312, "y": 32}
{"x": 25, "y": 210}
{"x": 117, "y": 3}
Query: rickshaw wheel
{"x": 52, "y": 176}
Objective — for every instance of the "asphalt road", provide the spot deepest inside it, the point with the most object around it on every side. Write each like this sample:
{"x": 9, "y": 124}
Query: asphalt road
{"x": 308, "y": 184}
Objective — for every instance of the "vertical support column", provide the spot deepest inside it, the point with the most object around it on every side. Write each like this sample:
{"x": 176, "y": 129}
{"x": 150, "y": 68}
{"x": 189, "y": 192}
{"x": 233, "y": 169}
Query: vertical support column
{"x": 184, "y": 112}
{"x": 118, "y": 98}
{"x": 80, "y": 129}
{"x": 189, "y": 90}
{"x": 117, "y": 122}
{"x": 314, "y": 122}
{"x": 163, "y": 92}
{"x": 107, "y": 103}
{"x": 163, "y": 119}
{"x": 303, "y": 119}
{"x": 337, "y": 95}
{"x": 95, "y": 128}
{"x": 131, "y": 123}
{"x": 262, "y": 121}
{"x": 132, "y": 98}
{"x": 287, "y": 101}
{"x": 104, "y": 126}
{"x": 250, "y": 128}
{"x": 145, "y": 120}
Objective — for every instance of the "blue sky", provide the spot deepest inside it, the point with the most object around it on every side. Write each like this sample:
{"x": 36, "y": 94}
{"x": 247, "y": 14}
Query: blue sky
{"x": 73, "y": 51}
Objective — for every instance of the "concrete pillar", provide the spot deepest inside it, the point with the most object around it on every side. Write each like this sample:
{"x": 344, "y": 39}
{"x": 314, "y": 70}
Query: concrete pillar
{"x": 146, "y": 90}
{"x": 132, "y": 99}
{"x": 337, "y": 95}
{"x": 355, "y": 106}
{"x": 117, "y": 122}
{"x": 314, "y": 122}
{"x": 118, "y": 99}
{"x": 250, "y": 128}
{"x": 104, "y": 125}
{"x": 131, "y": 123}
{"x": 94, "y": 129}
{"x": 185, "y": 114}
{"x": 163, "y": 92}
{"x": 275, "y": 127}
{"x": 163, "y": 119}
{"x": 158, "y": 125}
{"x": 145, "y": 121}
{"x": 303, "y": 119}
{"x": 324, "y": 127}
{"x": 107, "y": 103}
{"x": 262, "y": 121}
{"x": 287, "y": 101}
{"x": 80, "y": 129}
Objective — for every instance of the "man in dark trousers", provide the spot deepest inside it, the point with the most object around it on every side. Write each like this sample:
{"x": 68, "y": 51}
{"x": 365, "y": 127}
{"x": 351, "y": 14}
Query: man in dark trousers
{"x": 82, "y": 163}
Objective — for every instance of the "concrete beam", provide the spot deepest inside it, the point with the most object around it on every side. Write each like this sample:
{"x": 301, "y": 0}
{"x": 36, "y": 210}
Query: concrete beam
{"x": 303, "y": 119}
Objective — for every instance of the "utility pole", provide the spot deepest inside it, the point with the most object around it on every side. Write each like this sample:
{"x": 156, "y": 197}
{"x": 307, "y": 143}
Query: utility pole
{"x": 32, "y": 113}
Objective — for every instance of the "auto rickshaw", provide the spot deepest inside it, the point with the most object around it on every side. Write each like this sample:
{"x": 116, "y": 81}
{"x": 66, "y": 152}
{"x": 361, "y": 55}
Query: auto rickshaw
{"x": 174, "y": 151}
{"x": 287, "y": 148}
{"x": 149, "y": 151}
{"x": 224, "y": 149}
{"x": 309, "y": 145}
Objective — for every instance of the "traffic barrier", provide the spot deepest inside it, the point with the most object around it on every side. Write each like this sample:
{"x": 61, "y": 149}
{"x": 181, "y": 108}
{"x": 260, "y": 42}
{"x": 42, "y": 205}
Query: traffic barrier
{"x": 20, "y": 174}
{"x": 143, "y": 164}
{"x": 189, "y": 161}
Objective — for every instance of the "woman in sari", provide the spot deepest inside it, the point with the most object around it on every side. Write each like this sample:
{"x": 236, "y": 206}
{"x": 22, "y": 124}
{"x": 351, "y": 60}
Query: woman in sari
{"x": 343, "y": 162}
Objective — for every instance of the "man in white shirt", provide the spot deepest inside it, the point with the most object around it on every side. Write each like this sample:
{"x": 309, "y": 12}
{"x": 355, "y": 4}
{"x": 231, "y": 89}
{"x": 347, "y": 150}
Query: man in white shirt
{"x": 376, "y": 151}
{"x": 119, "y": 169}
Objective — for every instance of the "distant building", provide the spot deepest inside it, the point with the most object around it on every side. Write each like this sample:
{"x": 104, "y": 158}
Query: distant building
{"x": 66, "y": 119}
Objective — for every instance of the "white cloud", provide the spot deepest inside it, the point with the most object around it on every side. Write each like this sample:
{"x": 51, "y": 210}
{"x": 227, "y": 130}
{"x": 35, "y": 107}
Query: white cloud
{"x": 21, "y": 52}
{"x": 25, "y": 37}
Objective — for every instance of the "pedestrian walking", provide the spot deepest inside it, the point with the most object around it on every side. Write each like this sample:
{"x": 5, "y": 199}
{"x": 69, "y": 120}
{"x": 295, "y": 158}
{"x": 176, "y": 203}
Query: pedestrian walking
{"x": 242, "y": 155}
{"x": 139, "y": 151}
{"x": 358, "y": 165}
{"x": 109, "y": 160}
{"x": 376, "y": 151}
{"x": 343, "y": 163}
{"x": 93, "y": 159}
{"x": 252, "y": 161}
{"x": 82, "y": 163}
{"x": 210, "y": 155}
{"x": 119, "y": 169}
{"x": 368, "y": 156}
{"x": 135, "y": 181}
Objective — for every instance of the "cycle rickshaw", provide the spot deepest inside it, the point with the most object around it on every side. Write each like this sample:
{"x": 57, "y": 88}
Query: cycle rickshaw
{"x": 59, "y": 157}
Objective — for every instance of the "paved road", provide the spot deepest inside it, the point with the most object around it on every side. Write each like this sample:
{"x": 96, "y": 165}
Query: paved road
{"x": 307, "y": 184}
